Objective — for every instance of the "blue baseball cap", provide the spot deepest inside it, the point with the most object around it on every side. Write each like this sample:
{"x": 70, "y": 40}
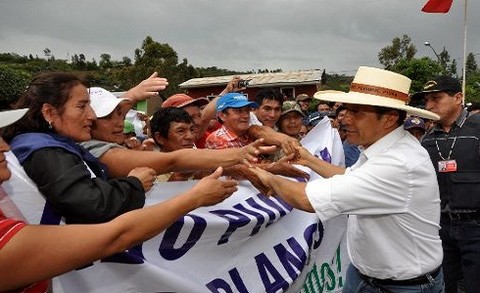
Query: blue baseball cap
{"x": 414, "y": 122}
{"x": 234, "y": 100}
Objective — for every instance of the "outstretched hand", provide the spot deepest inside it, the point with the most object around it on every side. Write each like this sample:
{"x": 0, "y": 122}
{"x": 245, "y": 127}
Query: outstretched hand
{"x": 262, "y": 179}
{"x": 212, "y": 190}
{"x": 147, "y": 176}
{"x": 304, "y": 157}
{"x": 244, "y": 172}
{"x": 251, "y": 152}
{"x": 285, "y": 168}
{"x": 290, "y": 147}
{"x": 147, "y": 88}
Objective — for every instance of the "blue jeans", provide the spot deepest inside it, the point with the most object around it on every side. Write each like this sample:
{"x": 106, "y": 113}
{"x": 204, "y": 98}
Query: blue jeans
{"x": 355, "y": 284}
{"x": 461, "y": 249}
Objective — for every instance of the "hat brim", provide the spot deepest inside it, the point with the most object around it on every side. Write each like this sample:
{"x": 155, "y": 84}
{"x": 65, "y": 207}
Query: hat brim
{"x": 108, "y": 106}
{"x": 420, "y": 95}
{"x": 242, "y": 104}
{"x": 292, "y": 110}
{"x": 10, "y": 116}
{"x": 372, "y": 100}
{"x": 195, "y": 102}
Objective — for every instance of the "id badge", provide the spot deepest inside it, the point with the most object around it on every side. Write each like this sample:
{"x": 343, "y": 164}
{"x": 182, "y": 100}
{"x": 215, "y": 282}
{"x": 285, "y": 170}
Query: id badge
{"x": 447, "y": 166}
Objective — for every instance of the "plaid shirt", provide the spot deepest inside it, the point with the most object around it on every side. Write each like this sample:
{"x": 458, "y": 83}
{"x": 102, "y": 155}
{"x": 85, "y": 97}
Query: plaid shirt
{"x": 224, "y": 139}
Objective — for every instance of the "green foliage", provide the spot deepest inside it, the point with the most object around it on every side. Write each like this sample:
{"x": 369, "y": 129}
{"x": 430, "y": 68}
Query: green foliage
{"x": 418, "y": 70}
{"x": 472, "y": 88}
{"x": 338, "y": 82}
{"x": 121, "y": 75}
{"x": 215, "y": 71}
{"x": 12, "y": 84}
{"x": 471, "y": 64}
{"x": 401, "y": 49}
{"x": 400, "y": 57}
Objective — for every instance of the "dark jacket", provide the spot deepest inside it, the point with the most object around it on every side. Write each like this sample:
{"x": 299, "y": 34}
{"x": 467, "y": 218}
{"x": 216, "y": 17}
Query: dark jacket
{"x": 60, "y": 169}
{"x": 459, "y": 189}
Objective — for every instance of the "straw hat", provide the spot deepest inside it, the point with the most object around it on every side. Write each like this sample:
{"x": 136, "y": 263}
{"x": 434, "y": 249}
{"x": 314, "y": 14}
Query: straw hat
{"x": 10, "y": 116}
{"x": 378, "y": 87}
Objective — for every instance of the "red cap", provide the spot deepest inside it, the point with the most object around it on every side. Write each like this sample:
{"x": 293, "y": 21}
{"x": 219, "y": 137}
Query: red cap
{"x": 183, "y": 100}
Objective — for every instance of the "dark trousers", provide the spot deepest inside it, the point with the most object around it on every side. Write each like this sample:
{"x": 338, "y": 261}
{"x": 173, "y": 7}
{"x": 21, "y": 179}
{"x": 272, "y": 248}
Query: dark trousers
{"x": 461, "y": 248}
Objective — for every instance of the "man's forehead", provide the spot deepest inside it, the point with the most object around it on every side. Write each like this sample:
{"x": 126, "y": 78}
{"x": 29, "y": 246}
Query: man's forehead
{"x": 270, "y": 102}
{"x": 435, "y": 95}
{"x": 179, "y": 124}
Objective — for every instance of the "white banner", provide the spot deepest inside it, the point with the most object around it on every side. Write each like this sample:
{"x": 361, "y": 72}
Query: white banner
{"x": 248, "y": 243}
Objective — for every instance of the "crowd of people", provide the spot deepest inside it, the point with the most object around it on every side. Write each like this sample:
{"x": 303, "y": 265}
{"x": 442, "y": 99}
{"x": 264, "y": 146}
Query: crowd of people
{"x": 409, "y": 185}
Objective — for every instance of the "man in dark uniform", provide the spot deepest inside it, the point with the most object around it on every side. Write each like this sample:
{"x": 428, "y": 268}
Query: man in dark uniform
{"x": 453, "y": 146}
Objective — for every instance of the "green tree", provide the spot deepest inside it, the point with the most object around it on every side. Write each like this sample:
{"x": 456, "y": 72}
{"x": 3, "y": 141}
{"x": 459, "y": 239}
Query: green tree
{"x": 401, "y": 49}
{"x": 48, "y": 53}
{"x": 12, "y": 85}
{"x": 154, "y": 56}
{"x": 126, "y": 61}
{"x": 105, "y": 61}
{"x": 471, "y": 65}
{"x": 418, "y": 70}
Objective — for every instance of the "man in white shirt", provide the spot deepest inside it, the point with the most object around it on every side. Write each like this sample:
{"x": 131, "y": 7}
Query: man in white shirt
{"x": 391, "y": 192}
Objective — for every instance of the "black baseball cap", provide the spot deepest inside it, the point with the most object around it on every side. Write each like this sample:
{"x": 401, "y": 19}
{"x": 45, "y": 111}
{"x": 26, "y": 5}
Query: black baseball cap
{"x": 442, "y": 83}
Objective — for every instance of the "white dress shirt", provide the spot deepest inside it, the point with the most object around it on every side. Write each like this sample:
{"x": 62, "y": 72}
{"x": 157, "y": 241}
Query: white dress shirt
{"x": 391, "y": 194}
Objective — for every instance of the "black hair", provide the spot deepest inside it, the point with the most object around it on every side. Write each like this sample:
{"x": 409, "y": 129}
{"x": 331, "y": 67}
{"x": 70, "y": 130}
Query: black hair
{"x": 53, "y": 88}
{"x": 340, "y": 109}
{"x": 161, "y": 119}
{"x": 402, "y": 115}
{"x": 269, "y": 94}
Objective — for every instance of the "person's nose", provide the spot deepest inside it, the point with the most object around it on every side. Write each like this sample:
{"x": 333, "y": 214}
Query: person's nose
{"x": 189, "y": 135}
{"x": 4, "y": 147}
{"x": 428, "y": 104}
{"x": 91, "y": 114}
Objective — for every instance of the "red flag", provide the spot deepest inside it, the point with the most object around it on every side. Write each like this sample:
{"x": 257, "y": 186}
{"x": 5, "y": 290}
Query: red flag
{"x": 437, "y": 6}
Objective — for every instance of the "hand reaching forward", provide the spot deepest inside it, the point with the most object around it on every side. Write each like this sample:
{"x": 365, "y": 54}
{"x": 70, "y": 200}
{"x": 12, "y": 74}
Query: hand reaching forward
{"x": 244, "y": 172}
{"x": 250, "y": 153}
{"x": 147, "y": 88}
{"x": 285, "y": 168}
{"x": 211, "y": 190}
{"x": 146, "y": 175}
{"x": 304, "y": 157}
{"x": 263, "y": 177}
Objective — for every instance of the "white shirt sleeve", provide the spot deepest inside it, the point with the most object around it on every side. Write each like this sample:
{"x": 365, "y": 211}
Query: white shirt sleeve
{"x": 381, "y": 185}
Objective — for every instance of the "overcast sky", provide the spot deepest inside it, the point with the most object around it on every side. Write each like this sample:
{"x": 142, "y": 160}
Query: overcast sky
{"x": 336, "y": 35}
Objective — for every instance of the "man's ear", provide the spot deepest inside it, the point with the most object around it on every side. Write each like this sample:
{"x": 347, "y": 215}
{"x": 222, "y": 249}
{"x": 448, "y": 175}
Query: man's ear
{"x": 221, "y": 115}
{"x": 49, "y": 112}
{"x": 159, "y": 139}
{"x": 390, "y": 119}
{"x": 458, "y": 98}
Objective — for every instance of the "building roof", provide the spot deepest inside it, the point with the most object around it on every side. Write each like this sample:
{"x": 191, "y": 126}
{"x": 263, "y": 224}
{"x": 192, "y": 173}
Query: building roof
{"x": 259, "y": 80}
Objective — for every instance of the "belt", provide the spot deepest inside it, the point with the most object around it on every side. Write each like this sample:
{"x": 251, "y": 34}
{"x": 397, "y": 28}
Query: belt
{"x": 423, "y": 279}
{"x": 461, "y": 216}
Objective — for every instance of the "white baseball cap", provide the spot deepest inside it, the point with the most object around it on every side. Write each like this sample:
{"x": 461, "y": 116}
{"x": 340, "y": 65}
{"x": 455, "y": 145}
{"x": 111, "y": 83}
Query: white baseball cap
{"x": 10, "y": 116}
{"x": 103, "y": 102}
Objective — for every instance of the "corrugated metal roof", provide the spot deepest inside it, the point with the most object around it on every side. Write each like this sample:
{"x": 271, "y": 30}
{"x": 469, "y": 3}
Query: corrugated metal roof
{"x": 260, "y": 79}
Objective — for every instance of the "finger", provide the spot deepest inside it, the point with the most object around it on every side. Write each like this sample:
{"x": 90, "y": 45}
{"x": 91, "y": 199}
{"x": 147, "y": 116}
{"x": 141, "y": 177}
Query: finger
{"x": 230, "y": 183}
{"x": 216, "y": 174}
{"x": 230, "y": 190}
{"x": 155, "y": 74}
{"x": 258, "y": 142}
{"x": 249, "y": 159}
{"x": 267, "y": 150}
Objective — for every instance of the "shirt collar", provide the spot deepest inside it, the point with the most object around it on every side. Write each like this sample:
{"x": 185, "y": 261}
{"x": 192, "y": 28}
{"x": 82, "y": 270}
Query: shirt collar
{"x": 458, "y": 122}
{"x": 384, "y": 143}
{"x": 232, "y": 135}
